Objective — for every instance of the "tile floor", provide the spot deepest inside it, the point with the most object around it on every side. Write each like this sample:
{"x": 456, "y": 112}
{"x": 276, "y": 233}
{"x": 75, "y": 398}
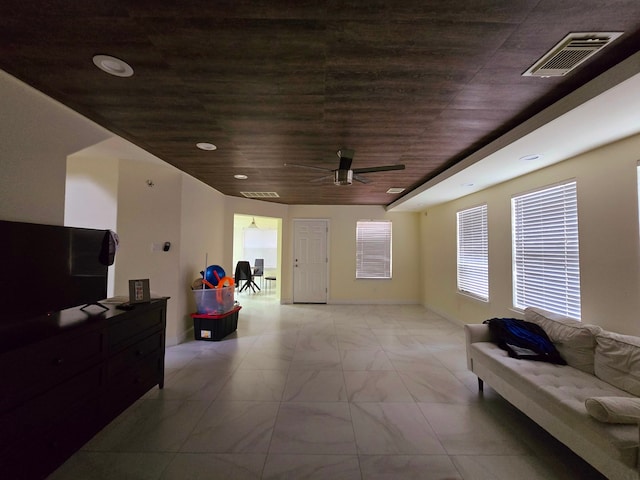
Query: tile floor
{"x": 338, "y": 392}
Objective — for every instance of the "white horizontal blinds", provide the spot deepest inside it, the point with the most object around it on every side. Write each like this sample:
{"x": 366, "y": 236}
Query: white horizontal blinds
{"x": 473, "y": 252}
{"x": 545, "y": 250}
{"x": 373, "y": 249}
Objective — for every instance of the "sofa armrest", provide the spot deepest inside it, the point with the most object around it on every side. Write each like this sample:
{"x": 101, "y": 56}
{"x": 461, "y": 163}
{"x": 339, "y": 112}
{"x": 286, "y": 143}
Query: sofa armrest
{"x": 475, "y": 332}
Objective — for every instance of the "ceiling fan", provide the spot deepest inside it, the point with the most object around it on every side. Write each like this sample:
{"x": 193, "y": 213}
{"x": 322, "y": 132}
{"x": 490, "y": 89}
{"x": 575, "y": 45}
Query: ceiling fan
{"x": 344, "y": 174}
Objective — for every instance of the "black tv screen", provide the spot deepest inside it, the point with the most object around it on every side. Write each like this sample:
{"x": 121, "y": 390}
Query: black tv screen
{"x": 47, "y": 268}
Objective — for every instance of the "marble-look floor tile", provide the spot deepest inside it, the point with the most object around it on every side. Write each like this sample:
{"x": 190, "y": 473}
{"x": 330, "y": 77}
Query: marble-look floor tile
{"x": 453, "y": 357}
{"x": 316, "y": 360}
{"x": 233, "y": 427}
{"x": 175, "y": 358}
{"x": 192, "y": 383}
{"x": 215, "y": 466}
{"x": 317, "y": 340}
{"x": 436, "y": 385}
{"x": 399, "y": 342}
{"x": 313, "y": 428}
{"x": 150, "y": 426}
{"x": 471, "y": 430}
{"x": 412, "y": 360}
{"x": 354, "y": 340}
{"x": 365, "y": 392}
{"x": 508, "y": 467}
{"x": 311, "y": 467}
{"x": 277, "y": 341}
{"x": 254, "y": 385}
{"x": 267, "y": 359}
{"x": 315, "y": 386}
{"x": 393, "y": 428}
{"x": 408, "y": 467}
{"x": 110, "y": 466}
{"x": 365, "y": 360}
{"x": 376, "y": 386}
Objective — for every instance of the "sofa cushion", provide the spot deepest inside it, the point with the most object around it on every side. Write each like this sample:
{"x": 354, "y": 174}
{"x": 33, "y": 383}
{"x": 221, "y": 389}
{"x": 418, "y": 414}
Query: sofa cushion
{"x": 562, "y": 391}
{"x": 617, "y": 361}
{"x": 614, "y": 409}
{"x": 574, "y": 340}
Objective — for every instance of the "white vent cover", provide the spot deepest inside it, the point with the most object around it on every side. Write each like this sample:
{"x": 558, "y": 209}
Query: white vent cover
{"x": 260, "y": 194}
{"x": 570, "y": 52}
{"x": 395, "y": 190}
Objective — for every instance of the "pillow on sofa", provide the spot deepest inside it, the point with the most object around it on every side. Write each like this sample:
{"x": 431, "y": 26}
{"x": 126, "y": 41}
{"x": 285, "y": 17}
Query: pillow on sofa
{"x": 574, "y": 340}
{"x": 617, "y": 361}
{"x": 614, "y": 409}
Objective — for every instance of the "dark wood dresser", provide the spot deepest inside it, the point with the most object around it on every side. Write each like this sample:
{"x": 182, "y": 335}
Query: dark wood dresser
{"x": 65, "y": 376}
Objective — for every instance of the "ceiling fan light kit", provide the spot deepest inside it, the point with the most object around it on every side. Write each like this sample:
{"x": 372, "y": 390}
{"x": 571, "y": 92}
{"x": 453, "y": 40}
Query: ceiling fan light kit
{"x": 343, "y": 177}
{"x": 344, "y": 174}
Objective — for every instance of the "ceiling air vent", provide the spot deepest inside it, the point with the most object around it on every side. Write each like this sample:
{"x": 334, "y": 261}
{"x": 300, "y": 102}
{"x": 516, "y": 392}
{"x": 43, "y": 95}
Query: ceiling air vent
{"x": 572, "y": 50}
{"x": 260, "y": 194}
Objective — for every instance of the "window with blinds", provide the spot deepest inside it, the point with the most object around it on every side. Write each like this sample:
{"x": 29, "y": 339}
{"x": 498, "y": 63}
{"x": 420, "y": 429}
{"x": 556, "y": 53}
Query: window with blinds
{"x": 545, "y": 250}
{"x": 373, "y": 249}
{"x": 473, "y": 252}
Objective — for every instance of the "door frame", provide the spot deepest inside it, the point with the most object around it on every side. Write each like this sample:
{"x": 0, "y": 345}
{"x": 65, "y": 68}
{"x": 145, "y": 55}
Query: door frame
{"x": 327, "y": 224}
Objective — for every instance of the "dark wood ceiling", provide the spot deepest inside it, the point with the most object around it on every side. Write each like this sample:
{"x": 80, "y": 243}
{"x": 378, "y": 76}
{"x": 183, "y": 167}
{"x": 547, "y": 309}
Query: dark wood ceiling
{"x": 419, "y": 82}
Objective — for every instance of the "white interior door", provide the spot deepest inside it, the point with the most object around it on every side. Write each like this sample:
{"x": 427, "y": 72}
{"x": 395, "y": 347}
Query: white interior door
{"x": 310, "y": 261}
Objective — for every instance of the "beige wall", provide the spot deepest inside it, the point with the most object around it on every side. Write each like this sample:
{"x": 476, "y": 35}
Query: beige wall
{"x": 36, "y": 136}
{"x": 91, "y": 197}
{"x": 149, "y": 216}
{"x": 201, "y": 238}
{"x": 404, "y": 287}
{"x": 608, "y": 228}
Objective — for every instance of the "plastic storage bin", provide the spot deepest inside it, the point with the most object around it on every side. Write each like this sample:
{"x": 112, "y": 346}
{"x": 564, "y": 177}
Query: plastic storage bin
{"x": 215, "y": 327}
{"x": 214, "y": 301}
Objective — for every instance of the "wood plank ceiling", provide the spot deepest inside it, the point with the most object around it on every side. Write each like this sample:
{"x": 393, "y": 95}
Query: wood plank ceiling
{"x": 418, "y": 82}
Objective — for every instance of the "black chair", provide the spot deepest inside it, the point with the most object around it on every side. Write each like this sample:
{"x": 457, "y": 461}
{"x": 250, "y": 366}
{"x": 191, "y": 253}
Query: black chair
{"x": 258, "y": 268}
{"x": 243, "y": 272}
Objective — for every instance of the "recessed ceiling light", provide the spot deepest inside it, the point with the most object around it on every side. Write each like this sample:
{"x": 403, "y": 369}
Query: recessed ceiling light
{"x": 206, "y": 146}
{"x": 534, "y": 156}
{"x": 113, "y": 65}
{"x": 395, "y": 190}
{"x": 240, "y": 177}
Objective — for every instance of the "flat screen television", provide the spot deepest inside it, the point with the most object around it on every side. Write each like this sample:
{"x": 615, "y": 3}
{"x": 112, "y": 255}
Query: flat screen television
{"x": 47, "y": 268}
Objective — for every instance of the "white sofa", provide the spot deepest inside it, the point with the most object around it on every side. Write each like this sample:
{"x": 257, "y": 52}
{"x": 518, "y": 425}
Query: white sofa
{"x": 591, "y": 404}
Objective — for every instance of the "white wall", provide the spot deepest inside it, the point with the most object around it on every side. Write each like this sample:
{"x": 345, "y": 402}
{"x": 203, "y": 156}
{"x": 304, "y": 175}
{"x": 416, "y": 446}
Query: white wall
{"x": 36, "y": 136}
{"x": 609, "y": 241}
{"x": 91, "y": 197}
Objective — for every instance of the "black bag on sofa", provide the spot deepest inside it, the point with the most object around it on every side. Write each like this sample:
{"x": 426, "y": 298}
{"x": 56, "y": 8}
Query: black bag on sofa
{"x": 524, "y": 340}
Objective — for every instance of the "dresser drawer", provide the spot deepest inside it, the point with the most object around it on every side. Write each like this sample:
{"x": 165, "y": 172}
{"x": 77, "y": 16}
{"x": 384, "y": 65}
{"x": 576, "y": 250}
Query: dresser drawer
{"x": 29, "y": 371}
{"x": 129, "y": 329}
{"x": 35, "y": 457}
{"x": 128, "y": 357}
{"x": 130, "y": 384}
{"x": 31, "y": 418}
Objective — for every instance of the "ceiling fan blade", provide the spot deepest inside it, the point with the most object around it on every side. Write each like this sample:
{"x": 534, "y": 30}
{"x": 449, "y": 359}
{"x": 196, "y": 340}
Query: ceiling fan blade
{"x": 361, "y": 179}
{"x": 308, "y": 166}
{"x": 383, "y": 168}
{"x": 318, "y": 180}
